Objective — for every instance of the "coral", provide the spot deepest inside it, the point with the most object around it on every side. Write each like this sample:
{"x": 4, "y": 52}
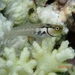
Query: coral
{"x": 5, "y": 25}
{"x": 19, "y": 57}
{"x": 17, "y": 10}
{"x": 40, "y": 2}
{"x": 16, "y": 42}
{"x": 50, "y": 59}
{"x": 40, "y": 59}
{"x": 2, "y": 6}
{"x": 56, "y": 13}
{"x": 16, "y": 66}
{"x": 51, "y": 15}
{"x": 72, "y": 71}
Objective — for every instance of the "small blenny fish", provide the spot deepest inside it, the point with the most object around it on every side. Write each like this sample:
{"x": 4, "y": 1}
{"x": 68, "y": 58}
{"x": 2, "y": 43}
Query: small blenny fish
{"x": 35, "y": 30}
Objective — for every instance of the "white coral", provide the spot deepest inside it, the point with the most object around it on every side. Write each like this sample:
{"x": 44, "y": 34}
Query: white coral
{"x": 64, "y": 52}
{"x": 41, "y": 2}
{"x": 5, "y": 25}
{"x": 72, "y": 71}
{"x": 16, "y": 66}
{"x": 49, "y": 59}
{"x": 2, "y": 6}
{"x": 17, "y": 43}
{"x": 51, "y": 15}
{"x": 17, "y": 10}
{"x": 43, "y": 58}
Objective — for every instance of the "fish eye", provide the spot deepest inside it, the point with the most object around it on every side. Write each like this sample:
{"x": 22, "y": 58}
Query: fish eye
{"x": 57, "y": 28}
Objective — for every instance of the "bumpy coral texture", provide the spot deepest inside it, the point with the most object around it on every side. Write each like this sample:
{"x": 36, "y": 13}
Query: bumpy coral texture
{"x": 72, "y": 71}
{"x": 51, "y": 15}
{"x": 41, "y": 2}
{"x": 40, "y": 60}
{"x": 16, "y": 66}
{"x": 43, "y": 59}
{"x": 5, "y": 25}
{"x": 49, "y": 59}
{"x": 2, "y": 6}
{"x": 17, "y": 10}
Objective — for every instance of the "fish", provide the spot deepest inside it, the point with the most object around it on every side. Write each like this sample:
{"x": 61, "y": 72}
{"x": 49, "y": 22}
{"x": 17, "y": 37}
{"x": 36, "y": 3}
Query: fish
{"x": 35, "y": 30}
{"x": 39, "y": 31}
